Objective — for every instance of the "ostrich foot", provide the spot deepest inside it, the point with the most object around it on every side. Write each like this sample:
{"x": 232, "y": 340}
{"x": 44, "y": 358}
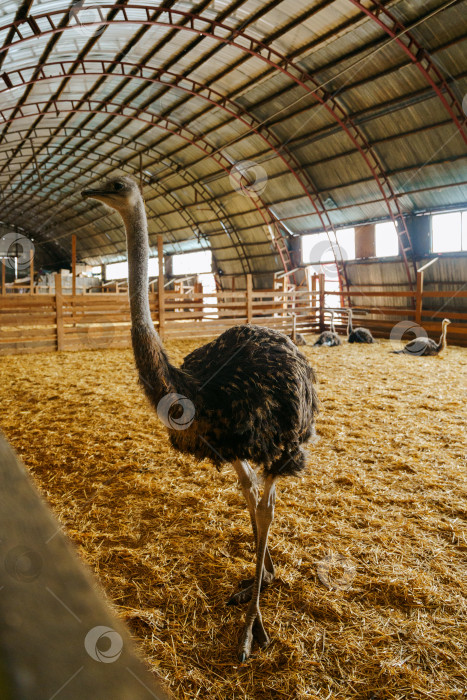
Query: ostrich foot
{"x": 246, "y": 588}
{"x": 254, "y": 631}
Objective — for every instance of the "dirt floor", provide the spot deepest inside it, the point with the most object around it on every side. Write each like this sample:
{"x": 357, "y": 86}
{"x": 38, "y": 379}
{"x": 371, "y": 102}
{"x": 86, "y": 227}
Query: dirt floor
{"x": 370, "y": 546}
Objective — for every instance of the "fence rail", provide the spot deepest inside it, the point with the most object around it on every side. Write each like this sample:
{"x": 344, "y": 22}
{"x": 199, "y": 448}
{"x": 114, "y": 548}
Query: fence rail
{"x": 46, "y": 322}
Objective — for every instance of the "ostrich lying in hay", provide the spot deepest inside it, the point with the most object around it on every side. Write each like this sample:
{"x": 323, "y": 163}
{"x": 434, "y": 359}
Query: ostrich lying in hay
{"x": 329, "y": 338}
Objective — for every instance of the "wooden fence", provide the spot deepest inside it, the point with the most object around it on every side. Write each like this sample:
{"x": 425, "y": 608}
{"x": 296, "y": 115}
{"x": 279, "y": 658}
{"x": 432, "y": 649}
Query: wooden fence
{"x": 32, "y": 323}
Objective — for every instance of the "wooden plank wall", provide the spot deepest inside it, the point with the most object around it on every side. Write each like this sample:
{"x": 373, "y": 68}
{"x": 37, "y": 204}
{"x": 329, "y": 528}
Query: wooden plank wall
{"x": 41, "y": 323}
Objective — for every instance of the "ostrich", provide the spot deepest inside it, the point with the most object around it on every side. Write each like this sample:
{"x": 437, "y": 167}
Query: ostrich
{"x": 329, "y": 338}
{"x": 357, "y": 335}
{"x": 247, "y": 395}
{"x": 295, "y": 337}
{"x": 426, "y": 346}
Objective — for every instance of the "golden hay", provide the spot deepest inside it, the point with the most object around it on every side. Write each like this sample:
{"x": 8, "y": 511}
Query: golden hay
{"x": 170, "y": 538}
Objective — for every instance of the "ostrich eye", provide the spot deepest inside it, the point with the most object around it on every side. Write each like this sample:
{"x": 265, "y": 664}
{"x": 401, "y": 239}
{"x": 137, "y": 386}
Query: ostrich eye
{"x": 118, "y": 187}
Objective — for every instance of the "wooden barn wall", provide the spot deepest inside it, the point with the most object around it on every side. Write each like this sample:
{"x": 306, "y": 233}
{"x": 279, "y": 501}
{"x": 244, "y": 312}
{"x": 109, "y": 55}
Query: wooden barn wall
{"x": 449, "y": 272}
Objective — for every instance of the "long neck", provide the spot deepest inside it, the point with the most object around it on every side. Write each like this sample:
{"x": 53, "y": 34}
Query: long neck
{"x": 156, "y": 374}
{"x": 333, "y": 330}
{"x": 349, "y": 322}
{"x": 294, "y": 328}
{"x": 442, "y": 339}
{"x": 138, "y": 255}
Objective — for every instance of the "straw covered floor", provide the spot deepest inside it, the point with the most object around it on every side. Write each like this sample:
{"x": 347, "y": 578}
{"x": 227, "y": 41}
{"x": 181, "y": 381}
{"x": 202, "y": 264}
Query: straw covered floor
{"x": 370, "y": 545}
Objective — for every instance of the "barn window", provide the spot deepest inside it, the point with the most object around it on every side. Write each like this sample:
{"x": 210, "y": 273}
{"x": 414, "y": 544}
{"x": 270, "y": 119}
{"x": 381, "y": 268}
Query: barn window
{"x": 317, "y": 249}
{"x": 386, "y": 240}
{"x": 119, "y": 271}
{"x": 449, "y": 232}
{"x": 192, "y": 263}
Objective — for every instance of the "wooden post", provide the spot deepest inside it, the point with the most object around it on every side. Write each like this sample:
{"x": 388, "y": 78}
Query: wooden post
{"x": 314, "y": 296}
{"x": 249, "y": 298}
{"x": 3, "y": 277}
{"x": 321, "y": 302}
{"x": 31, "y": 271}
{"x": 200, "y": 299}
{"x": 73, "y": 264}
{"x": 419, "y": 297}
{"x": 59, "y": 312}
{"x": 160, "y": 285}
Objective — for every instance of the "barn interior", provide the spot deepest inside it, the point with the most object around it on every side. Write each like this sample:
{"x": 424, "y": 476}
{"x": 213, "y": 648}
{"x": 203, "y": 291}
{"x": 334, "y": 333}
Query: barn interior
{"x": 295, "y": 159}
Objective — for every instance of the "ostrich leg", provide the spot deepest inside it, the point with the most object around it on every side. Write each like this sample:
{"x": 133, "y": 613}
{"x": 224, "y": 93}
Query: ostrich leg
{"x": 249, "y": 485}
{"x": 253, "y": 623}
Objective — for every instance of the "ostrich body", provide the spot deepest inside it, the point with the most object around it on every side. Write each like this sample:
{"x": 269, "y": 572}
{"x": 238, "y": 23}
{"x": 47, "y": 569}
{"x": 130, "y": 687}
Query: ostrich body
{"x": 357, "y": 335}
{"x": 295, "y": 337}
{"x": 248, "y": 395}
{"x": 329, "y": 338}
{"x": 426, "y": 346}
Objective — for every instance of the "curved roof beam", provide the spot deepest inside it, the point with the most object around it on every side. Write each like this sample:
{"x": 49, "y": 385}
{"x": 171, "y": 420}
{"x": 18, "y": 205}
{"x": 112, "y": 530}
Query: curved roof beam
{"x": 420, "y": 57}
{"x": 177, "y": 207}
{"x": 183, "y": 211}
{"x": 189, "y": 179}
{"x": 191, "y": 87}
{"x": 183, "y": 173}
{"x": 244, "y": 42}
{"x": 165, "y": 124}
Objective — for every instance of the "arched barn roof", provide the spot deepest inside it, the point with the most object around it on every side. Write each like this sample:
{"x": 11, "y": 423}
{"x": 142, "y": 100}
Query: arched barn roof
{"x": 248, "y": 122}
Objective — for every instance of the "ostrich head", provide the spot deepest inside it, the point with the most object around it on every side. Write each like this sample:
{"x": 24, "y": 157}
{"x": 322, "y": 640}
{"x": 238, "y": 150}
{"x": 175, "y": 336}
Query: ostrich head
{"x": 446, "y": 322}
{"x": 119, "y": 193}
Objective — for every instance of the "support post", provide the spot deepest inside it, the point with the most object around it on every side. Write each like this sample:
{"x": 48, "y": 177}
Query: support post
{"x": 321, "y": 302}
{"x": 59, "y": 312}
{"x": 249, "y": 298}
{"x": 419, "y": 297}
{"x": 314, "y": 296}
{"x": 73, "y": 264}
{"x": 31, "y": 272}
{"x": 3, "y": 277}
{"x": 160, "y": 285}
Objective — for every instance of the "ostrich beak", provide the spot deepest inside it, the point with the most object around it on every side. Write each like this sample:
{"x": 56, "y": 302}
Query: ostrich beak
{"x": 94, "y": 193}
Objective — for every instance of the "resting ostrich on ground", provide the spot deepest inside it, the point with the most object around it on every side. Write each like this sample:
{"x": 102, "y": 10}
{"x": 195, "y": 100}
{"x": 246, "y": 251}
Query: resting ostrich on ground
{"x": 357, "y": 335}
{"x": 295, "y": 337}
{"x": 329, "y": 338}
{"x": 248, "y": 395}
{"x": 426, "y": 346}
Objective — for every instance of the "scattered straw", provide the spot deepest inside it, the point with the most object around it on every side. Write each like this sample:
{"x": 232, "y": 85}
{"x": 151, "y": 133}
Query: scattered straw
{"x": 384, "y": 504}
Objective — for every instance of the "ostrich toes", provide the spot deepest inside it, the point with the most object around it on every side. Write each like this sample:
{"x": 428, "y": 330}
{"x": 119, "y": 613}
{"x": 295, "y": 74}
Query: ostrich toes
{"x": 252, "y": 632}
{"x": 260, "y": 635}
{"x": 246, "y": 589}
{"x": 244, "y": 648}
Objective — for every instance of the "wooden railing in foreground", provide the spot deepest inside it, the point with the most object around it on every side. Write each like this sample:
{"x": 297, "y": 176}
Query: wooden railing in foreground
{"x": 35, "y": 323}
{"x": 58, "y": 636}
